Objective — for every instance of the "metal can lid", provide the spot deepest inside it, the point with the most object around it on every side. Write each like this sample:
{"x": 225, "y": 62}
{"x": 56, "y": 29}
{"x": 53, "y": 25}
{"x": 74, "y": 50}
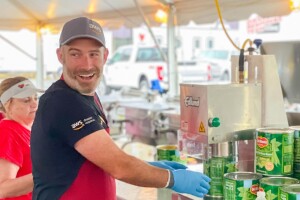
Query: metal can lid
{"x": 279, "y": 181}
{"x": 292, "y": 189}
{"x": 295, "y": 128}
{"x": 212, "y": 197}
{"x": 275, "y": 130}
{"x": 278, "y": 175}
{"x": 243, "y": 176}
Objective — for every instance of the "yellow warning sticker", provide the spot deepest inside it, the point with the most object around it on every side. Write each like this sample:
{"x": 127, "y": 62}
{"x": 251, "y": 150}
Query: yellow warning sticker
{"x": 201, "y": 128}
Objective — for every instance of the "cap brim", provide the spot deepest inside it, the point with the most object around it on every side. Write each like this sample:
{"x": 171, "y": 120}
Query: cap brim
{"x": 27, "y": 93}
{"x": 82, "y": 36}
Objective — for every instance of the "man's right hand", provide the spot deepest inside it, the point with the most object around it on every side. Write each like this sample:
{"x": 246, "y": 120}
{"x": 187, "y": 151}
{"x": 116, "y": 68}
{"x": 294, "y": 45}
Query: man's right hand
{"x": 190, "y": 182}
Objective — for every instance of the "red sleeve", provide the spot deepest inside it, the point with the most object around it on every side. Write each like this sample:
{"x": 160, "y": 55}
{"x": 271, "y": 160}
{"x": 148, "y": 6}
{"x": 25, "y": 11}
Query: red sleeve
{"x": 1, "y": 115}
{"x": 10, "y": 146}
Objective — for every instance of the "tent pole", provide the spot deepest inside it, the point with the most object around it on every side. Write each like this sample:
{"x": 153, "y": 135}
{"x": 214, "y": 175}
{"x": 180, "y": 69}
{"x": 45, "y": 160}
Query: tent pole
{"x": 172, "y": 63}
{"x": 39, "y": 59}
{"x": 148, "y": 25}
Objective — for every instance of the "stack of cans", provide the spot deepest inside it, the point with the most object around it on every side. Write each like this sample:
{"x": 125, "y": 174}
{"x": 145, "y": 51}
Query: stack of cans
{"x": 215, "y": 168}
{"x": 275, "y": 160}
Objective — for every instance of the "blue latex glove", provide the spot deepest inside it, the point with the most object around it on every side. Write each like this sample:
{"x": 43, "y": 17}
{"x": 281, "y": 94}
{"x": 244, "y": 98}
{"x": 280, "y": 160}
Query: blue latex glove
{"x": 190, "y": 182}
{"x": 170, "y": 165}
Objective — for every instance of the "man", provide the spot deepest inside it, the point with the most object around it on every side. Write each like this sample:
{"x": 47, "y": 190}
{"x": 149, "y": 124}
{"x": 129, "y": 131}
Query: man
{"x": 73, "y": 156}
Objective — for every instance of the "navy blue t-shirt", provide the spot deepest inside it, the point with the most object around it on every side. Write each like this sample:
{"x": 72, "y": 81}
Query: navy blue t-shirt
{"x": 64, "y": 117}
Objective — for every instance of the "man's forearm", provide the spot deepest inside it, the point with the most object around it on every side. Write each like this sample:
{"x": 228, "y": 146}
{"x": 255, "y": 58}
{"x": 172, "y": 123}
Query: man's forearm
{"x": 142, "y": 174}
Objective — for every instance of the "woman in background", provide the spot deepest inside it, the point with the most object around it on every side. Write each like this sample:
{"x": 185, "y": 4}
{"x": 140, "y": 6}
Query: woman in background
{"x": 18, "y": 102}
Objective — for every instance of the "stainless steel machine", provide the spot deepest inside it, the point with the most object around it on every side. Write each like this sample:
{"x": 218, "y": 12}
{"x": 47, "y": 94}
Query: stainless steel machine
{"x": 152, "y": 122}
{"x": 220, "y": 119}
{"x": 142, "y": 117}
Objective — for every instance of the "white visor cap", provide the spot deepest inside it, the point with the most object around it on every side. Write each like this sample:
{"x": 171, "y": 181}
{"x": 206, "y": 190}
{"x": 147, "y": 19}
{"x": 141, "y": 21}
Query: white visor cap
{"x": 20, "y": 90}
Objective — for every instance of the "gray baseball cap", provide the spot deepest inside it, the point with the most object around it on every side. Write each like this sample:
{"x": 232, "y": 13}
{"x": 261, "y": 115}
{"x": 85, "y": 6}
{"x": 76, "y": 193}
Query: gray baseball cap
{"x": 81, "y": 27}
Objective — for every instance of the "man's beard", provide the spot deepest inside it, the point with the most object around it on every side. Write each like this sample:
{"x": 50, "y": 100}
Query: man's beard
{"x": 85, "y": 88}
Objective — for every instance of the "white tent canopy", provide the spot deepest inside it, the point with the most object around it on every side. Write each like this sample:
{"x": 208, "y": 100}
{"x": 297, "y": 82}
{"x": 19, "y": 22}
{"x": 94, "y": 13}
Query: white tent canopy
{"x": 32, "y": 14}
{"x": 51, "y": 14}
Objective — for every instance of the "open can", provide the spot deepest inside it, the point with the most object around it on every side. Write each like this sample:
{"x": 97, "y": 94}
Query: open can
{"x": 290, "y": 192}
{"x": 272, "y": 185}
{"x": 241, "y": 185}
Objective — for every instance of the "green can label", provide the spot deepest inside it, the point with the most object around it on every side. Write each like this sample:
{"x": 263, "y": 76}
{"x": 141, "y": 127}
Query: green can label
{"x": 215, "y": 168}
{"x": 289, "y": 196}
{"x": 274, "y": 152}
{"x": 297, "y": 150}
{"x": 237, "y": 189}
{"x": 296, "y": 167}
{"x": 234, "y": 189}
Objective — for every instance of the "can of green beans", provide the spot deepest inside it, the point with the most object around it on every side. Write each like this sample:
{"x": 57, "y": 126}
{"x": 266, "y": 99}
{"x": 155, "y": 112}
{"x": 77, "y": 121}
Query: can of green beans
{"x": 168, "y": 152}
{"x": 290, "y": 192}
{"x": 241, "y": 185}
{"x": 272, "y": 185}
{"x": 274, "y": 151}
{"x": 215, "y": 168}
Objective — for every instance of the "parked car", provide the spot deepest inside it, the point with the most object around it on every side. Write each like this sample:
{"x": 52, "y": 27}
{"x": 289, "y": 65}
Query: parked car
{"x": 220, "y": 62}
{"x": 194, "y": 71}
{"x": 137, "y": 66}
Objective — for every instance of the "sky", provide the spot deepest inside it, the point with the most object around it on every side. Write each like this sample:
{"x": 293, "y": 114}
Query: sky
{"x": 11, "y": 59}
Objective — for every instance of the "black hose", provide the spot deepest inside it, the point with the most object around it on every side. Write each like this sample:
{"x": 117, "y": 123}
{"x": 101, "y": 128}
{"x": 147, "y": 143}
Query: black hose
{"x": 241, "y": 61}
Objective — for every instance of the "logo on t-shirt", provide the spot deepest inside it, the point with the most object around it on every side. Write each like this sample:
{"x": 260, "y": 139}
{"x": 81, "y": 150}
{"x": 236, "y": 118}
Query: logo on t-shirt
{"x": 77, "y": 125}
{"x": 102, "y": 121}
